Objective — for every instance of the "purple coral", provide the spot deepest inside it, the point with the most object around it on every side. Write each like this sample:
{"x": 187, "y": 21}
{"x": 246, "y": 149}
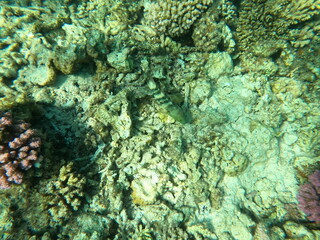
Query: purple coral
{"x": 309, "y": 197}
{"x": 19, "y": 149}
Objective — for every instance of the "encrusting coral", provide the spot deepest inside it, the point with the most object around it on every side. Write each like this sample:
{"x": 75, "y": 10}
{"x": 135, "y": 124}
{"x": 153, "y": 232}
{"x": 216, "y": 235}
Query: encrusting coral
{"x": 19, "y": 149}
{"x": 309, "y": 195}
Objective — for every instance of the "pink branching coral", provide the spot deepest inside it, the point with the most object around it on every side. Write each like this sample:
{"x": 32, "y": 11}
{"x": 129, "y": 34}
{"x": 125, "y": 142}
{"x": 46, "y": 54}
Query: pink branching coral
{"x": 19, "y": 149}
{"x": 309, "y": 197}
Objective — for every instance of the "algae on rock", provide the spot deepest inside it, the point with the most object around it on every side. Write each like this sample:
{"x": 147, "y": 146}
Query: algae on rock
{"x": 245, "y": 72}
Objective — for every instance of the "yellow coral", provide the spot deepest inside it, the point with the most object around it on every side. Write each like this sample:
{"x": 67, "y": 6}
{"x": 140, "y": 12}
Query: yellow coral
{"x": 66, "y": 193}
{"x": 174, "y": 18}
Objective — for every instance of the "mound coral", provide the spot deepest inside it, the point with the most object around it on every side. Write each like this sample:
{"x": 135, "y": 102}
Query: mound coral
{"x": 309, "y": 197}
{"x": 19, "y": 149}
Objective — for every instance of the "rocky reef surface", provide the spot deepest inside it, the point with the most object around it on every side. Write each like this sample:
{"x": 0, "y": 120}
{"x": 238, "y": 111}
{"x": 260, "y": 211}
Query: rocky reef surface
{"x": 162, "y": 119}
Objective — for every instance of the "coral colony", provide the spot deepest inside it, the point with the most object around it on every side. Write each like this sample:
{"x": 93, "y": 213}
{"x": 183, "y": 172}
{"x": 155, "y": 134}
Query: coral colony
{"x": 19, "y": 150}
{"x": 309, "y": 197}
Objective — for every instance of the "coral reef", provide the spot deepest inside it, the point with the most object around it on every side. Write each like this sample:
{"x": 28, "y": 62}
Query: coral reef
{"x": 66, "y": 193}
{"x": 274, "y": 26}
{"x": 271, "y": 20}
{"x": 211, "y": 32}
{"x": 173, "y": 18}
{"x": 309, "y": 197}
{"x": 114, "y": 80}
{"x": 19, "y": 149}
{"x": 6, "y": 222}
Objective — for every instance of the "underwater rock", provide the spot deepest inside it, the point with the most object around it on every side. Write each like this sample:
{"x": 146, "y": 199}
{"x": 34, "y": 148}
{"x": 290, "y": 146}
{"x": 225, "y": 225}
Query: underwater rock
{"x": 159, "y": 213}
{"x": 219, "y": 64}
{"x": 287, "y": 88}
{"x": 42, "y": 75}
{"x": 146, "y": 186}
{"x": 121, "y": 60}
{"x": 70, "y": 51}
{"x": 236, "y": 163}
{"x": 116, "y": 112}
{"x": 261, "y": 233}
{"x": 201, "y": 232}
{"x": 200, "y": 90}
{"x": 231, "y": 157}
{"x": 297, "y": 231}
{"x": 89, "y": 226}
{"x": 68, "y": 59}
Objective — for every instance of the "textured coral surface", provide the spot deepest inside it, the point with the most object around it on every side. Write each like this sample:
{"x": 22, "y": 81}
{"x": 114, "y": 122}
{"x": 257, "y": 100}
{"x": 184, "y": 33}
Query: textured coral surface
{"x": 309, "y": 197}
{"x": 159, "y": 119}
{"x": 19, "y": 149}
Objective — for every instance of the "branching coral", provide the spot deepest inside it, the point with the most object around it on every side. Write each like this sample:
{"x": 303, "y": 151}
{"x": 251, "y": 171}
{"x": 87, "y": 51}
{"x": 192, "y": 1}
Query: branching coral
{"x": 269, "y": 30}
{"x": 66, "y": 193}
{"x": 19, "y": 150}
{"x": 210, "y": 32}
{"x": 174, "y": 18}
{"x": 271, "y": 19}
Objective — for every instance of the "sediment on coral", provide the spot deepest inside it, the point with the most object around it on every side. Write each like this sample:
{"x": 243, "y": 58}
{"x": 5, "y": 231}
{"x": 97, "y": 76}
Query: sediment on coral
{"x": 114, "y": 80}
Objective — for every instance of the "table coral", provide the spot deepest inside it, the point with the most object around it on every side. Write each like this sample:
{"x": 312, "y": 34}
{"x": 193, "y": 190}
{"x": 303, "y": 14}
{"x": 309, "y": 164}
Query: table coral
{"x": 19, "y": 149}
